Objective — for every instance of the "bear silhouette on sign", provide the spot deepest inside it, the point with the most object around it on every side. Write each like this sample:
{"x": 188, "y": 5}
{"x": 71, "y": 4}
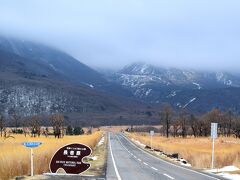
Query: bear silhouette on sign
{"x": 70, "y": 159}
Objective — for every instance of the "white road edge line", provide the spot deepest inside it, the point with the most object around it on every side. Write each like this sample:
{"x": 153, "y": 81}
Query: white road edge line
{"x": 114, "y": 164}
{"x": 168, "y": 162}
{"x": 168, "y": 176}
{"x": 154, "y": 168}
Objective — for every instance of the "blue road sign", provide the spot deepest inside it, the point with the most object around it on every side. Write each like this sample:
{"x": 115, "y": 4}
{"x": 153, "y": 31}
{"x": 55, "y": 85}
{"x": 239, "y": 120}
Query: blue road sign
{"x": 32, "y": 144}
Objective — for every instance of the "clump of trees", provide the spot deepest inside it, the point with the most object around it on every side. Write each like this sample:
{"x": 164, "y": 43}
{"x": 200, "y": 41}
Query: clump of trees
{"x": 34, "y": 126}
{"x": 183, "y": 123}
{"x": 74, "y": 131}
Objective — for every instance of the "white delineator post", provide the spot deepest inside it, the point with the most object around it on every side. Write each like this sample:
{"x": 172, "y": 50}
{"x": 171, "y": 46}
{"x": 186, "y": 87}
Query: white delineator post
{"x": 213, "y": 140}
{"x": 214, "y": 127}
{"x": 151, "y": 142}
{"x": 151, "y": 134}
{"x": 31, "y": 162}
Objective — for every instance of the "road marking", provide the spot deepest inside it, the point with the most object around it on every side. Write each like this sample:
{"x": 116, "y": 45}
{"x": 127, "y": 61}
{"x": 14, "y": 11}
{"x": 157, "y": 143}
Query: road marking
{"x": 139, "y": 160}
{"x": 154, "y": 168}
{"x": 168, "y": 162}
{"x": 145, "y": 163}
{"x": 168, "y": 176}
{"x": 114, "y": 164}
{"x": 135, "y": 157}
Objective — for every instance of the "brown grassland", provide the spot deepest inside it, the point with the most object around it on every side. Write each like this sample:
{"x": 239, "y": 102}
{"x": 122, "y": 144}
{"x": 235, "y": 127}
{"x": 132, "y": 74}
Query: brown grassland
{"x": 15, "y": 158}
{"x": 197, "y": 151}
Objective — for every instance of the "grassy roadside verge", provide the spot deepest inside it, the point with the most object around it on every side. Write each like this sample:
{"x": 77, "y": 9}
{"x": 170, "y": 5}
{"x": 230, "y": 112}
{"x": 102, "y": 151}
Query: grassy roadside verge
{"x": 14, "y": 157}
{"x": 98, "y": 166}
{"x": 197, "y": 151}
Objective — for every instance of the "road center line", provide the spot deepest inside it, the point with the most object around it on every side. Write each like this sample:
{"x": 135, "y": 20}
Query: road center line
{"x": 114, "y": 164}
{"x": 168, "y": 176}
{"x": 139, "y": 160}
{"x": 145, "y": 163}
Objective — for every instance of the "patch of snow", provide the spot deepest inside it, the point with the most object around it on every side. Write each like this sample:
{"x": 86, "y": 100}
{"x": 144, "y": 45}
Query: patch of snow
{"x": 148, "y": 92}
{"x": 143, "y": 69}
{"x": 179, "y": 105}
{"x": 228, "y": 82}
{"x": 172, "y": 94}
{"x": 53, "y": 67}
{"x": 224, "y": 172}
{"x": 94, "y": 158}
{"x": 184, "y": 162}
{"x": 89, "y": 85}
{"x": 193, "y": 99}
{"x": 222, "y": 78}
{"x": 138, "y": 142}
{"x": 230, "y": 176}
{"x": 224, "y": 169}
{"x": 198, "y": 85}
{"x": 219, "y": 76}
{"x": 101, "y": 141}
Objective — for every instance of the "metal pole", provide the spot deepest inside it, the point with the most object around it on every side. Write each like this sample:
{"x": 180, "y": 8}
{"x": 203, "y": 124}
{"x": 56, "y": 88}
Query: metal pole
{"x": 213, "y": 153}
{"x": 31, "y": 162}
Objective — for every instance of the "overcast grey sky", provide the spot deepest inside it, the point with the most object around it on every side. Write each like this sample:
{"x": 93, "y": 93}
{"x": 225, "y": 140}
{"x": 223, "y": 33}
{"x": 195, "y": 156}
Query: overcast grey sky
{"x": 113, "y": 33}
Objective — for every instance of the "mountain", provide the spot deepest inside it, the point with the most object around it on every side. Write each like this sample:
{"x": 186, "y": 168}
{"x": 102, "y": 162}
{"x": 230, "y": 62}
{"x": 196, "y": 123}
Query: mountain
{"x": 37, "y": 79}
{"x": 196, "y": 90}
{"x": 41, "y": 60}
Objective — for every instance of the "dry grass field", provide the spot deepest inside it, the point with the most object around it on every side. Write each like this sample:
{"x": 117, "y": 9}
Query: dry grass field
{"x": 197, "y": 151}
{"x": 15, "y": 158}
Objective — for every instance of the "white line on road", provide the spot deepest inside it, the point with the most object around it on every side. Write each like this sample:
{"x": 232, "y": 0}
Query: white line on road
{"x": 145, "y": 163}
{"x": 139, "y": 160}
{"x": 168, "y": 162}
{"x": 154, "y": 168}
{"x": 168, "y": 176}
{"x": 114, "y": 164}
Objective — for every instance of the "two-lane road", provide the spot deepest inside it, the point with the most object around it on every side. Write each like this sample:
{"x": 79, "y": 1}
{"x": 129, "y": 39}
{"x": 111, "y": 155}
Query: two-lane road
{"x": 128, "y": 162}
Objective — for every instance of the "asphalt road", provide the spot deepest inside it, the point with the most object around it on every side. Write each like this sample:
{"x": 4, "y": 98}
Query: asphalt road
{"x": 128, "y": 162}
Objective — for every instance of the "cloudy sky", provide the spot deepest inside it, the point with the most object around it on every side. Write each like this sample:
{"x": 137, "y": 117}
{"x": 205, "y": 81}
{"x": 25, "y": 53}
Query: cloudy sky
{"x": 112, "y": 33}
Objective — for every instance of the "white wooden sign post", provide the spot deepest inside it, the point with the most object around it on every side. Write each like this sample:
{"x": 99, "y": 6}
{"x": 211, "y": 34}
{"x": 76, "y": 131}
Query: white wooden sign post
{"x": 151, "y": 134}
{"x": 214, "y": 128}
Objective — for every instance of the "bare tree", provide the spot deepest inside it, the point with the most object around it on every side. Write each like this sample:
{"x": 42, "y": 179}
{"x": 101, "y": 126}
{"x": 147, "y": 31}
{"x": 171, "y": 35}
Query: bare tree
{"x": 229, "y": 122}
{"x": 194, "y": 125}
{"x": 16, "y": 119}
{"x": 212, "y": 116}
{"x": 166, "y": 116}
{"x": 57, "y": 121}
{"x": 236, "y": 127}
{"x": 176, "y": 127}
{"x": 183, "y": 121}
{"x": 2, "y": 124}
{"x": 35, "y": 126}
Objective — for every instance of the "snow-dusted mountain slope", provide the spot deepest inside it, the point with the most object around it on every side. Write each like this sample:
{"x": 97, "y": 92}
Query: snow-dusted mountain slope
{"x": 35, "y": 79}
{"x": 181, "y": 87}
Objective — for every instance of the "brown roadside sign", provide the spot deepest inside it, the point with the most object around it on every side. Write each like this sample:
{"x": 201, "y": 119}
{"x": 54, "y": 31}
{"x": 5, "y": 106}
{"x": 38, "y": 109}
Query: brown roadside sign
{"x": 70, "y": 158}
